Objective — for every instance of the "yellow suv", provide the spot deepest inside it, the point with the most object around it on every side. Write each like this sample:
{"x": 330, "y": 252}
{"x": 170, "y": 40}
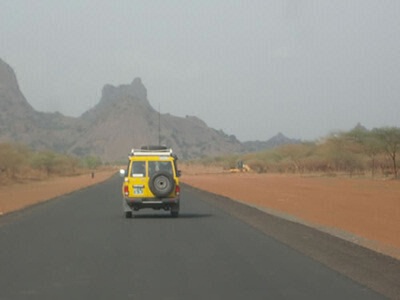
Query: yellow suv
{"x": 151, "y": 180}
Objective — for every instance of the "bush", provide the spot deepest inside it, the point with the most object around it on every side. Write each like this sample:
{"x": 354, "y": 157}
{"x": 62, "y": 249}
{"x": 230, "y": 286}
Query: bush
{"x": 19, "y": 162}
{"x": 12, "y": 159}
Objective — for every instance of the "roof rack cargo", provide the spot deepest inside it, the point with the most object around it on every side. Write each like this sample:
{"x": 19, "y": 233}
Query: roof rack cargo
{"x": 146, "y": 152}
{"x": 153, "y": 147}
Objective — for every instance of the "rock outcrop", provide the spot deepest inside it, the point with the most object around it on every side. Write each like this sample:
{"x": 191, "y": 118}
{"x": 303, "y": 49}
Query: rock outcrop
{"x": 122, "y": 119}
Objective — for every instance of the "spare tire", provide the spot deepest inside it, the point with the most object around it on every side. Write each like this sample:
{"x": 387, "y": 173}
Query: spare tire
{"x": 161, "y": 184}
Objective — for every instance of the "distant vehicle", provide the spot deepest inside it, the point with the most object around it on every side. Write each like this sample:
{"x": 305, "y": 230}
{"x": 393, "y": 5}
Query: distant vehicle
{"x": 151, "y": 180}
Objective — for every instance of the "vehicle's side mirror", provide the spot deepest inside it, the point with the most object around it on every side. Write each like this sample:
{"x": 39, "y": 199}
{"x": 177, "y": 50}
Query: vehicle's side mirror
{"x": 122, "y": 173}
{"x": 179, "y": 173}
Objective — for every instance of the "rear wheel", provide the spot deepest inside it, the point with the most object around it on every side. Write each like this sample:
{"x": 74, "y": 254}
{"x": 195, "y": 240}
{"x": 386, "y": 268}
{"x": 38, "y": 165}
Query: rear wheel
{"x": 128, "y": 214}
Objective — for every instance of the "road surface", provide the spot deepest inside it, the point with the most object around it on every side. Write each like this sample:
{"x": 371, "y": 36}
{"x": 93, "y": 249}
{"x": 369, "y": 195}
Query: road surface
{"x": 80, "y": 246}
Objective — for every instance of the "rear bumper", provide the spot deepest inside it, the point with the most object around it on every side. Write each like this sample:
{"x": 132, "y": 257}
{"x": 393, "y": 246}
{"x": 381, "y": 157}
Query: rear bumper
{"x": 155, "y": 203}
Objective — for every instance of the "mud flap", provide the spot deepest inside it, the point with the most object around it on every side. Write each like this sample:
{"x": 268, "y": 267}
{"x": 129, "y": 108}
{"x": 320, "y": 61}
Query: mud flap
{"x": 125, "y": 206}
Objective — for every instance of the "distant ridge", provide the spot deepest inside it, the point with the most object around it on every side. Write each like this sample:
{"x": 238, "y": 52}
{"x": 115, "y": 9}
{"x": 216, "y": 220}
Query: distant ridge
{"x": 123, "y": 118}
{"x": 276, "y": 141}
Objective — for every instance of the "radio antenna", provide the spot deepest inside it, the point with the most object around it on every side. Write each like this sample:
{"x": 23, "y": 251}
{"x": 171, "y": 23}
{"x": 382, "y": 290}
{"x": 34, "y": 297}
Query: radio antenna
{"x": 159, "y": 125}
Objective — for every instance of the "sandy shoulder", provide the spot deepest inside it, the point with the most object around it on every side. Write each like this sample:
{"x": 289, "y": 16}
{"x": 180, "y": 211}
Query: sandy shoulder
{"x": 19, "y": 196}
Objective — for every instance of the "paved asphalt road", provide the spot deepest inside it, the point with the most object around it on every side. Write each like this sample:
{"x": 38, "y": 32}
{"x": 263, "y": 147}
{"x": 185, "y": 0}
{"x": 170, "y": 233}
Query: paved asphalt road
{"x": 80, "y": 246}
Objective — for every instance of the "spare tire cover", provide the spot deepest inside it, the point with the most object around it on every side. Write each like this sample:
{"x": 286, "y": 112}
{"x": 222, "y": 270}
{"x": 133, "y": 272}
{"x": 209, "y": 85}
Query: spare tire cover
{"x": 161, "y": 184}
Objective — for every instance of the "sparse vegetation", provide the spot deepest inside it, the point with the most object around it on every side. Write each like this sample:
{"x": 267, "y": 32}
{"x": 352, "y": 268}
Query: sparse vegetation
{"x": 20, "y": 163}
{"x": 357, "y": 152}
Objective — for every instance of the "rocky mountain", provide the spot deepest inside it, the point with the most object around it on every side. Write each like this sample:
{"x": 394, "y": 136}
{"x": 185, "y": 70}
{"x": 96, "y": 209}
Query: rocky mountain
{"x": 19, "y": 122}
{"x": 124, "y": 119}
{"x": 121, "y": 120}
{"x": 276, "y": 141}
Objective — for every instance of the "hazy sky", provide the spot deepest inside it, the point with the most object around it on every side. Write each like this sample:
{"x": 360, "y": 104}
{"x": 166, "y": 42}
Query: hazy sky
{"x": 251, "y": 68}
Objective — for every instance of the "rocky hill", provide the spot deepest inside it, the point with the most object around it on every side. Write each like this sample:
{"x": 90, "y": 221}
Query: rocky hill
{"x": 124, "y": 119}
{"x": 20, "y": 123}
{"x": 276, "y": 141}
{"x": 121, "y": 120}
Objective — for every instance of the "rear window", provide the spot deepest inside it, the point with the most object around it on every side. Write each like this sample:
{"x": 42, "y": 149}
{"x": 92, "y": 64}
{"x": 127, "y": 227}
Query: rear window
{"x": 138, "y": 169}
{"x": 160, "y": 166}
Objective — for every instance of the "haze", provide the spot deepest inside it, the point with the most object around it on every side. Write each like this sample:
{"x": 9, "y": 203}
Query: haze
{"x": 251, "y": 68}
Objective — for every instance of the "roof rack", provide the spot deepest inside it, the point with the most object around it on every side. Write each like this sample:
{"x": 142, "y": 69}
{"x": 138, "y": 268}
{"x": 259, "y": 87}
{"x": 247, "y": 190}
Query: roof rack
{"x": 145, "y": 152}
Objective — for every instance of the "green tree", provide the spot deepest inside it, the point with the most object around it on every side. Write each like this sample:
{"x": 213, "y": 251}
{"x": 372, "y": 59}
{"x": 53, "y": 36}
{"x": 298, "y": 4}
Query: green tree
{"x": 390, "y": 139}
{"x": 13, "y": 157}
{"x": 341, "y": 154}
{"x": 44, "y": 161}
{"x": 369, "y": 143}
{"x": 92, "y": 162}
{"x": 297, "y": 155}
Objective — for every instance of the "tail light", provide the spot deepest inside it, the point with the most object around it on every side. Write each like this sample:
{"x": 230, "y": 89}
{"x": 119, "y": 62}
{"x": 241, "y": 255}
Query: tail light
{"x": 126, "y": 190}
{"x": 177, "y": 190}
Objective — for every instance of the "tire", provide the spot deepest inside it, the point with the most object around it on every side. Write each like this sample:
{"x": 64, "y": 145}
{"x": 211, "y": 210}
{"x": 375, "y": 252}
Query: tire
{"x": 161, "y": 184}
{"x": 128, "y": 214}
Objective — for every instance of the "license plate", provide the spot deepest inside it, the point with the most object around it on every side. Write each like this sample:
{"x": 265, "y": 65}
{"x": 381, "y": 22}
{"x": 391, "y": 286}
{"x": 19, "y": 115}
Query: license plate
{"x": 138, "y": 190}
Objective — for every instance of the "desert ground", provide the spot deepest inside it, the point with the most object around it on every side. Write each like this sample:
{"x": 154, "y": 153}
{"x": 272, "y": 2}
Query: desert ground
{"x": 364, "y": 211}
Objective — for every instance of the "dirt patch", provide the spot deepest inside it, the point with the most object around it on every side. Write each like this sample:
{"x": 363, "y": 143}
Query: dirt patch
{"x": 21, "y": 195}
{"x": 363, "y": 211}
